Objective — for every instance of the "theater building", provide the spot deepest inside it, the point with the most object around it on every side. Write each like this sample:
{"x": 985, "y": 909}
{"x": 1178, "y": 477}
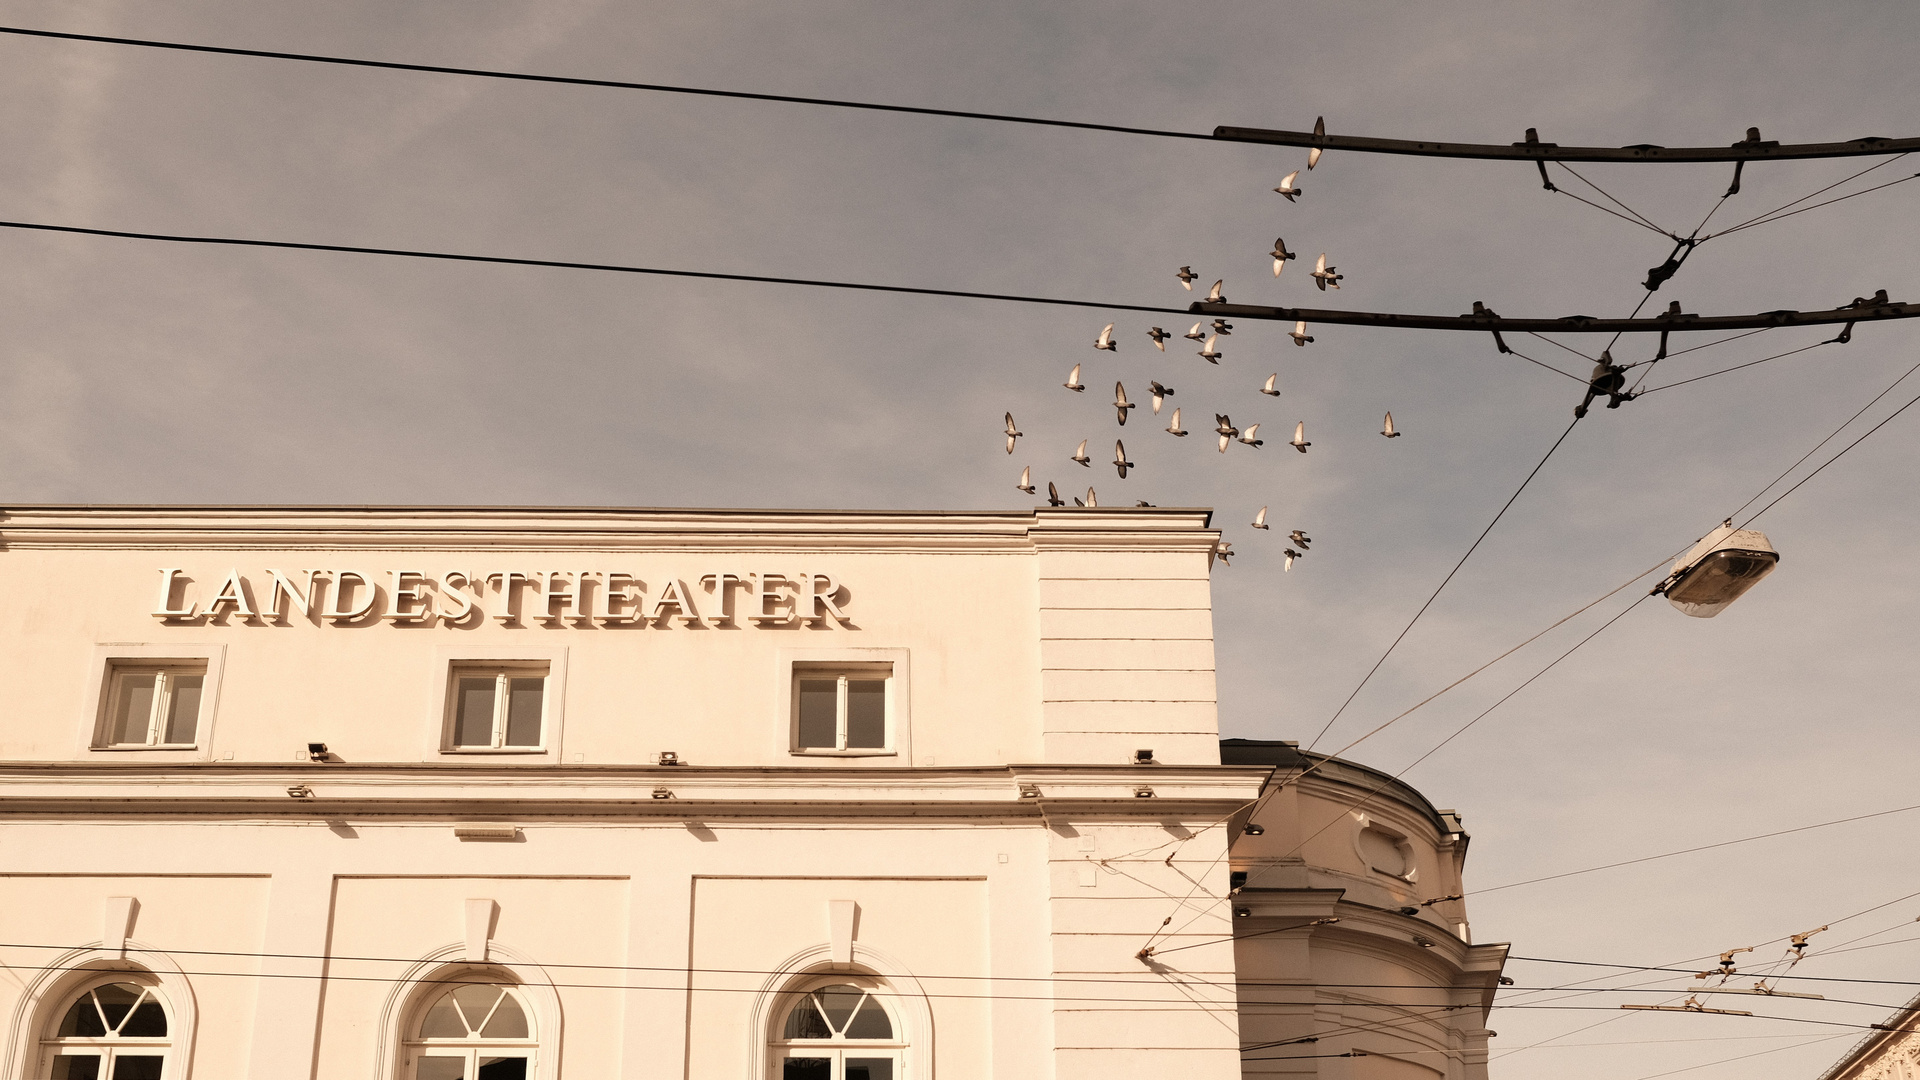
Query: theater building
{"x": 465, "y": 794}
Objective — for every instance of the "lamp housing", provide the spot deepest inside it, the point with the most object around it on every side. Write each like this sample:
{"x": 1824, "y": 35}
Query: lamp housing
{"x": 1719, "y": 570}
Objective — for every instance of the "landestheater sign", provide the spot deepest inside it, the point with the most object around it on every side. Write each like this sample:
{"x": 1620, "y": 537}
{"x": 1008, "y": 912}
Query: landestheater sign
{"x": 552, "y": 599}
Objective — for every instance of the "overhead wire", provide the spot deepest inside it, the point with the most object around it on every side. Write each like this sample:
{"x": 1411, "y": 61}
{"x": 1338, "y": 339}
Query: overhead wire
{"x": 1631, "y": 214}
{"x": 1725, "y": 370}
{"x": 1760, "y": 219}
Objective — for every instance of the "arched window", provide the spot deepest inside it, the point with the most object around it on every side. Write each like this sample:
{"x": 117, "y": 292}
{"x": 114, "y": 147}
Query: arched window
{"x": 838, "y": 1031}
{"x": 112, "y": 1029}
{"x": 472, "y": 1030}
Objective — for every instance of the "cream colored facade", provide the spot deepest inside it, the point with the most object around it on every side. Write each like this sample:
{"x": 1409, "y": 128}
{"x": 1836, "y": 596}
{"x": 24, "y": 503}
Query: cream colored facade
{"x": 1891, "y": 1052}
{"x": 937, "y": 780}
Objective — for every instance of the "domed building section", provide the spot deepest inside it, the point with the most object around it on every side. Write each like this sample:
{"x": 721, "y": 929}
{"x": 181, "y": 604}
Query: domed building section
{"x": 1351, "y": 941}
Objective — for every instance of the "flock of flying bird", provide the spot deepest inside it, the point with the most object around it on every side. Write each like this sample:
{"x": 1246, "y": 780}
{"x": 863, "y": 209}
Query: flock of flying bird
{"x": 1208, "y": 335}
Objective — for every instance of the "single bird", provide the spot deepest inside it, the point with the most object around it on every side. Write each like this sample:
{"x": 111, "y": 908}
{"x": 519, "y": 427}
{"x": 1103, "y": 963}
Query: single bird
{"x": 1214, "y": 295}
{"x": 1012, "y": 433}
{"x": 1287, "y": 187}
{"x": 1026, "y": 480}
{"x": 1222, "y": 327}
{"x": 1280, "y": 255}
{"x": 1300, "y": 442}
{"x": 1053, "y": 495}
{"x": 1291, "y": 555}
{"x": 1300, "y": 336}
{"x": 1175, "y": 428}
{"x": 1120, "y": 461}
{"x": 1080, "y": 455}
{"x": 1210, "y": 352}
{"x": 1186, "y": 276}
{"x": 1250, "y": 438}
{"x": 1073, "y": 382}
{"x": 1389, "y": 430}
{"x": 1196, "y": 334}
{"x": 1224, "y": 551}
{"x": 1319, "y": 131}
{"x": 1159, "y": 337}
{"x": 1223, "y": 427}
{"x": 1300, "y": 538}
{"x": 1268, "y": 388}
{"x": 1105, "y": 340}
{"x": 1120, "y": 402}
{"x": 1160, "y": 394}
{"x": 1260, "y": 519}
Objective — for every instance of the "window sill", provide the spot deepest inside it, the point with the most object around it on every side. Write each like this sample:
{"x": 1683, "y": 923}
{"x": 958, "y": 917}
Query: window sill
{"x": 161, "y": 748}
{"x": 844, "y": 753}
{"x": 468, "y": 751}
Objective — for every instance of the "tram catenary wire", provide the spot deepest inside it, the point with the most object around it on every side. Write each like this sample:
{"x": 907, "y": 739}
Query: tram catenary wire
{"x": 1533, "y": 151}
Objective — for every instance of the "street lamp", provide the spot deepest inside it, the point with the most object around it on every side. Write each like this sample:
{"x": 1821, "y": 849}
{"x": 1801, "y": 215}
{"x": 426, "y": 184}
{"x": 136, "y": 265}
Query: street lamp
{"x": 1718, "y": 571}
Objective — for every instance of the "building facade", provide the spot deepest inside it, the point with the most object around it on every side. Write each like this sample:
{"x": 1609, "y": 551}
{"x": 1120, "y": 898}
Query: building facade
{"x": 480, "y": 794}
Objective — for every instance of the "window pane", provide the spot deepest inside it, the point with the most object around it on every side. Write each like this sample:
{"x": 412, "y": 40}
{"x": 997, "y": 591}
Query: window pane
{"x": 441, "y": 1068}
{"x": 76, "y": 1067}
{"x": 502, "y": 1068}
{"x": 869, "y": 1069}
{"x": 476, "y": 1000}
{"x": 183, "y": 707}
{"x": 82, "y": 1020}
{"x": 138, "y": 1067}
{"x": 838, "y": 1002}
{"x": 804, "y": 1022}
{"x": 473, "y": 724}
{"x": 870, "y": 1023}
{"x": 116, "y": 1000}
{"x": 148, "y": 1021}
{"x": 819, "y": 701}
{"x": 523, "y": 710}
{"x": 132, "y": 709}
{"x": 509, "y": 1021}
{"x": 443, "y": 1022}
{"x": 867, "y": 713}
{"x": 798, "y": 1068}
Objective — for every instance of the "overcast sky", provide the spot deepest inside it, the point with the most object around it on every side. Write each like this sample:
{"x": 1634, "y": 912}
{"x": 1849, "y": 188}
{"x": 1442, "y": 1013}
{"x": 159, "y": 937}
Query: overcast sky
{"x": 135, "y": 372}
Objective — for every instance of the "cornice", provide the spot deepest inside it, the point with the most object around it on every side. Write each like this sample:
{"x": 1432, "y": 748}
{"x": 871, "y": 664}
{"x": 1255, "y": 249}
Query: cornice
{"x": 613, "y": 529}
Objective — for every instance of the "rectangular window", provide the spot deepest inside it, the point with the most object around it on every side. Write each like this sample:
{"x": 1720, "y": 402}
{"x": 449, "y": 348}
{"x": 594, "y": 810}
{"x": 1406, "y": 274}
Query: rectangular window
{"x": 495, "y": 707}
{"x": 152, "y": 705}
{"x": 842, "y": 710}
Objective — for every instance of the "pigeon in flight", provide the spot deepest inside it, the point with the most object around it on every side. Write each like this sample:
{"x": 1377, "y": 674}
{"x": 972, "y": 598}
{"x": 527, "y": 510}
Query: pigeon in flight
{"x": 1159, "y": 337}
{"x": 1300, "y": 336}
{"x": 1175, "y": 428}
{"x": 1195, "y": 334}
{"x": 1286, "y": 186}
{"x": 1091, "y": 501}
{"x": 1214, "y": 295}
{"x": 1324, "y": 275}
{"x": 1280, "y": 255}
{"x": 1291, "y": 555}
{"x": 1012, "y": 433}
{"x": 1053, "y": 495}
{"x": 1120, "y": 402}
{"x": 1026, "y": 480}
{"x": 1120, "y": 461}
{"x": 1160, "y": 394}
{"x": 1388, "y": 430}
{"x": 1105, "y": 340}
{"x": 1268, "y": 389}
{"x": 1319, "y": 130}
{"x": 1300, "y": 442}
{"x": 1080, "y": 455}
{"x": 1300, "y": 538}
{"x": 1222, "y": 327}
{"x": 1073, "y": 382}
{"x": 1210, "y": 352}
{"x": 1223, "y": 551}
{"x": 1248, "y": 436}
{"x": 1186, "y": 276}
{"x": 1225, "y": 429}
{"x": 1260, "y": 519}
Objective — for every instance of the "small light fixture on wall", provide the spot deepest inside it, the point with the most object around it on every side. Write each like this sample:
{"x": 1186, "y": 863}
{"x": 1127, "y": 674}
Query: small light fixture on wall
{"x": 300, "y": 791}
{"x": 668, "y": 757}
{"x": 1254, "y": 828}
{"x": 316, "y": 751}
{"x": 1143, "y": 757}
{"x": 662, "y": 793}
{"x": 1143, "y": 793}
{"x": 1029, "y": 791}
{"x": 1242, "y": 912}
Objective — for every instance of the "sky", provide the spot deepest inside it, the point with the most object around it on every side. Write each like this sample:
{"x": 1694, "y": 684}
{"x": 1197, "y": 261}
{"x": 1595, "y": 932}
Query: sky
{"x": 136, "y": 372}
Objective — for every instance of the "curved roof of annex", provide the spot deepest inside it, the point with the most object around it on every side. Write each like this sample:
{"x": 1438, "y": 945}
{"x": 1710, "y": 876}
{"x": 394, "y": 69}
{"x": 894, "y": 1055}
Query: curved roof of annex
{"x": 1288, "y": 759}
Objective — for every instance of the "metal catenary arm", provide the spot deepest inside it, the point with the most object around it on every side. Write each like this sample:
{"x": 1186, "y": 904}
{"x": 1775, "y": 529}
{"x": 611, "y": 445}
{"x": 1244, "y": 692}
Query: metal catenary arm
{"x": 1867, "y": 311}
{"x": 1753, "y": 150}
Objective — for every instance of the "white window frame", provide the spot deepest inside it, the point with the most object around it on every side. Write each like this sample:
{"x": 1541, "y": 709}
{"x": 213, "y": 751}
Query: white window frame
{"x": 165, "y": 674}
{"x": 503, "y": 674}
{"x": 111, "y": 1046}
{"x": 112, "y": 658}
{"x": 442, "y": 701}
{"x": 795, "y": 664}
{"x": 469, "y": 1048}
{"x": 839, "y": 1049}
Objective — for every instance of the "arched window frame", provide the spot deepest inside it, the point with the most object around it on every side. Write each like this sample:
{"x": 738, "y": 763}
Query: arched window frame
{"x": 48, "y": 993}
{"x": 108, "y": 1048}
{"x": 796, "y": 995}
{"x": 426, "y": 978}
{"x": 416, "y": 1045}
{"x": 907, "y": 1004}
